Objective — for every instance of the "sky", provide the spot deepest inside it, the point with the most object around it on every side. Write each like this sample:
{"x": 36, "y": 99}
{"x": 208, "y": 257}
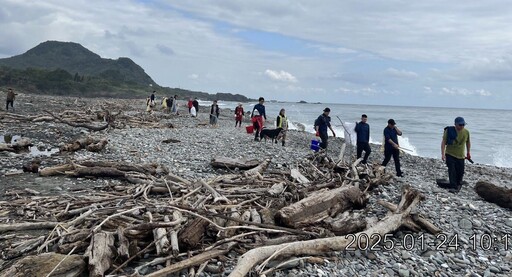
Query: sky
{"x": 413, "y": 53}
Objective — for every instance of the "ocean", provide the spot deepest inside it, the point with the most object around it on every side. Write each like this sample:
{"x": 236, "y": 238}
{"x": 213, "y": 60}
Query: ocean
{"x": 422, "y": 127}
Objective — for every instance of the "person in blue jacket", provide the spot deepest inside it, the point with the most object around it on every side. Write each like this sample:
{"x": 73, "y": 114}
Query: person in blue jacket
{"x": 363, "y": 139}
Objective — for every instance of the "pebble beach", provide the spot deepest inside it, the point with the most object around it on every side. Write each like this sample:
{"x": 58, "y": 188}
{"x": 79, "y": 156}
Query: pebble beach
{"x": 477, "y": 235}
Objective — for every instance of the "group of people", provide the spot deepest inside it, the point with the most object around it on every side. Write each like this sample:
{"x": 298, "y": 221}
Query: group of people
{"x": 258, "y": 118}
{"x": 168, "y": 104}
{"x": 193, "y": 106}
{"x": 455, "y": 145}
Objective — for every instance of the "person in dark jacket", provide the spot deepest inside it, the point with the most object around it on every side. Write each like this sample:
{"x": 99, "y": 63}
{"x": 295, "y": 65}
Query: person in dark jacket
{"x": 363, "y": 138}
{"x": 214, "y": 113}
{"x": 152, "y": 98}
{"x": 258, "y": 118}
{"x": 391, "y": 146}
{"x": 10, "y": 99}
{"x": 321, "y": 124}
{"x": 196, "y": 105}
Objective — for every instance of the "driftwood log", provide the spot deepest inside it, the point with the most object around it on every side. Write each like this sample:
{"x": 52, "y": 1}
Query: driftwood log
{"x": 320, "y": 205}
{"x": 230, "y": 163}
{"x": 42, "y": 265}
{"x": 89, "y": 143}
{"x": 494, "y": 194}
{"x": 100, "y": 254}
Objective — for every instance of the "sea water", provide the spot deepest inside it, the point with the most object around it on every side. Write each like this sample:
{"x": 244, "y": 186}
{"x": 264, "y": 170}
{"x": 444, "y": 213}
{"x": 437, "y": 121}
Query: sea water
{"x": 422, "y": 127}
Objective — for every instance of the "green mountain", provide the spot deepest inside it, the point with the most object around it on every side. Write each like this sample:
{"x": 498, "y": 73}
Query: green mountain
{"x": 68, "y": 68}
{"x": 74, "y": 58}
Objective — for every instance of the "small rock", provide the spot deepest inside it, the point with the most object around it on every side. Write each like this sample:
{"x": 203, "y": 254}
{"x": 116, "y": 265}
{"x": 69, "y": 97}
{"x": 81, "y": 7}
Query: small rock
{"x": 406, "y": 255}
{"x": 404, "y": 273}
{"x": 494, "y": 269}
{"x": 465, "y": 224}
{"x": 371, "y": 256}
{"x": 428, "y": 253}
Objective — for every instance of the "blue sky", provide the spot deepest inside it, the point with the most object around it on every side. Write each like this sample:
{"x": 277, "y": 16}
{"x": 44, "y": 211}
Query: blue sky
{"x": 433, "y": 53}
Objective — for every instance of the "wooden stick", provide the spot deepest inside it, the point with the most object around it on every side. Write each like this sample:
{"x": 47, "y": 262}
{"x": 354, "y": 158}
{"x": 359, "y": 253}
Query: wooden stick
{"x": 217, "y": 197}
{"x": 195, "y": 260}
{"x": 115, "y": 215}
{"x": 27, "y": 226}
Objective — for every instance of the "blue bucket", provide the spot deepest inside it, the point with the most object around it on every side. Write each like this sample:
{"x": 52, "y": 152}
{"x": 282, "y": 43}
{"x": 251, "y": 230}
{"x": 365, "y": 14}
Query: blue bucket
{"x": 315, "y": 145}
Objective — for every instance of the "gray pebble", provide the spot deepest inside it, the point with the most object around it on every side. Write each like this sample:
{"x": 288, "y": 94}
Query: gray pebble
{"x": 465, "y": 224}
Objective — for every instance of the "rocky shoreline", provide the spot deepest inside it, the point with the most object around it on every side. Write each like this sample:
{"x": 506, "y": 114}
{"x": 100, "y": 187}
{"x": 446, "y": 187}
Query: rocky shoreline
{"x": 463, "y": 217}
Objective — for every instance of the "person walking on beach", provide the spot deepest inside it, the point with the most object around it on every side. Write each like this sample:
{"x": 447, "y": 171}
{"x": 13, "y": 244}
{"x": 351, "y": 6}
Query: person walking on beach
{"x": 190, "y": 104}
{"x": 10, "y": 99}
{"x": 174, "y": 105}
{"x": 391, "y": 146}
{"x": 149, "y": 107}
{"x": 164, "y": 104}
{"x": 195, "y": 104}
{"x": 321, "y": 124}
{"x": 282, "y": 123}
{"x": 168, "y": 103}
{"x": 239, "y": 114}
{"x": 455, "y": 141}
{"x": 214, "y": 113}
{"x": 258, "y": 119}
{"x": 363, "y": 138}
{"x": 153, "y": 98}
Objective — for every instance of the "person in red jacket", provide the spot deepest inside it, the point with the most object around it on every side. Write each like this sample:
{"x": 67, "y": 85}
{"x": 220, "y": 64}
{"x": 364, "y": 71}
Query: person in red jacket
{"x": 190, "y": 104}
{"x": 239, "y": 114}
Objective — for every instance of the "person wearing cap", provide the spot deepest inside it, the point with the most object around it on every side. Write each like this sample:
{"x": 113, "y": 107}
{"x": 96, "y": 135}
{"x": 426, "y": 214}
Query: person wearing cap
{"x": 363, "y": 138}
{"x": 239, "y": 114}
{"x": 455, "y": 139}
{"x": 391, "y": 146}
{"x": 257, "y": 118}
{"x": 321, "y": 124}
{"x": 10, "y": 99}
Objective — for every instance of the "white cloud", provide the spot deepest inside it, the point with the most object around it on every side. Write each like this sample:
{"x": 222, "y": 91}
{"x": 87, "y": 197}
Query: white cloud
{"x": 193, "y": 76}
{"x": 367, "y": 91}
{"x": 280, "y": 76}
{"x": 464, "y": 92}
{"x": 334, "y": 50}
{"x": 487, "y": 69}
{"x": 400, "y": 74}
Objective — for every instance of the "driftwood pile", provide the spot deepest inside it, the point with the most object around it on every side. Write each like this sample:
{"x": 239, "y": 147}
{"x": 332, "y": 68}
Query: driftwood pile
{"x": 94, "y": 118}
{"x": 159, "y": 221}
